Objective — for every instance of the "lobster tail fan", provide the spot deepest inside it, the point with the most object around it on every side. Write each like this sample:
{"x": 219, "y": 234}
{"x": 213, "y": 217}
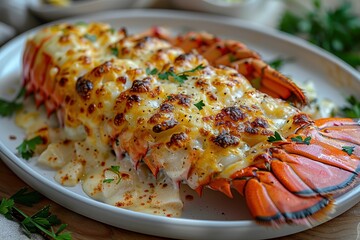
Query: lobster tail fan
{"x": 302, "y": 178}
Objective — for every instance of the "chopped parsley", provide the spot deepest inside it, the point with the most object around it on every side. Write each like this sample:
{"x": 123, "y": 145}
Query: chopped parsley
{"x": 299, "y": 139}
{"x": 27, "y": 147}
{"x": 179, "y": 77}
{"x": 276, "y": 137}
{"x": 154, "y": 71}
{"x": 200, "y": 105}
{"x": 348, "y": 149}
{"x": 81, "y": 23}
{"x": 91, "y": 38}
{"x": 7, "y": 108}
{"x": 353, "y": 109}
{"x": 279, "y": 62}
{"x": 114, "y": 51}
{"x": 116, "y": 170}
{"x": 232, "y": 58}
{"x": 109, "y": 180}
{"x": 42, "y": 222}
{"x": 335, "y": 29}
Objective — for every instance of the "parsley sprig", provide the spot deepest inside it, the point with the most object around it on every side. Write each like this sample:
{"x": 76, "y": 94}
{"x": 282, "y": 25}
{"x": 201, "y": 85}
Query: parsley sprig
{"x": 276, "y": 137}
{"x": 200, "y": 105}
{"x": 179, "y": 77}
{"x": 116, "y": 170}
{"x": 353, "y": 109}
{"x": 42, "y": 222}
{"x": 7, "y": 108}
{"x": 335, "y": 30}
{"x": 90, "y": 37}
{"x": 348, "y": 149}
{"x": 299, "y": 139}
{"x": 27, "y": 148}
{"x": 279, "y": 62}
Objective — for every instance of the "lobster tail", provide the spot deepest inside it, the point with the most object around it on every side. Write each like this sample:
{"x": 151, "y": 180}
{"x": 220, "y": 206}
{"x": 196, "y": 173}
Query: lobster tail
{"x": 295, "y": 180}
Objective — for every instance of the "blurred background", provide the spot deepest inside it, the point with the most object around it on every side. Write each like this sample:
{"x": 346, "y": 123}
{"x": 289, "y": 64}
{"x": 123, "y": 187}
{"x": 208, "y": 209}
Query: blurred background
{"x": 331, "y": 24}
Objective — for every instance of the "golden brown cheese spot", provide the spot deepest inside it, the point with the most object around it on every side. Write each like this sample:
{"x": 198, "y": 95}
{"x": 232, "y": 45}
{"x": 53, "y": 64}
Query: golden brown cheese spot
{"x": 166, "y": 107}
{"x": 230, "y": 114}
{"x": 141, "y": 86}
{"x": 102, "y": 69}
{"x": 301, "y": 119}
{"x": 225, "y": 139}
{"x": 84, "y": 87}
{"x": 122, "y": 79}
{"x": 63, "y": 81}
{"x": 182, "y": 99}
{"x": 259, "y": 122}
{"x": 119, "y": 119}
{"x": 178, "y": 140}
{"x": 165, "y": 125}
{"x": 85, "y": 60}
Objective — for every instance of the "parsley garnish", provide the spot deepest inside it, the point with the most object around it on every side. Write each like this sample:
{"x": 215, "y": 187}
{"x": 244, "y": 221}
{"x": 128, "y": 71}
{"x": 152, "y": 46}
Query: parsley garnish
{"x": 299, "y": 139}
{"x": 91, "y": 38}
{"x": 348, "y": 149}
{"x": 151, "y": 72}
{"x": 335, "y": 30}
{"x": 41, "y": 222}
{"x": 278, "y": 63}
{"x": 81, "y": 23}
{"x": 200, "y": 105}
{"x": 179, "y": 77}
{"x": 26, "y": 198}
{"x": 256, "y": 83}
{"x": 7, "y": 108}
{"x": 109, "y": 180}
{"x": 27, "y": 147}
{"x": 352, "y": 111}
{"x": 274, "y": 138}
{"x": 116, "y": 170}
{"x": 114, "y": 51}
{"x": 232, "y": 58}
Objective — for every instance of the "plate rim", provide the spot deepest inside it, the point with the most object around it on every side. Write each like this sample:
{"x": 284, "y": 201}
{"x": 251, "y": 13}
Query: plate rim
{"x": 8, "y": 156}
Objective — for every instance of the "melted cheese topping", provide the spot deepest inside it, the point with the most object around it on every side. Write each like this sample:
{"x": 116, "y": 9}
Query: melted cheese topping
{"x": 123, "y": 93}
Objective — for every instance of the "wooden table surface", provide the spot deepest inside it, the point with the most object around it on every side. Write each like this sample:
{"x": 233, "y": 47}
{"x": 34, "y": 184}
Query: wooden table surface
{"x": 343, "y": 227}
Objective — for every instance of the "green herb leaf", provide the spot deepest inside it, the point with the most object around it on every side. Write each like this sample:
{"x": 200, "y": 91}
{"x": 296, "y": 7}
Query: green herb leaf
{"x": 275, "y": 138}
{"x": 197, "y": 68}
{"x": 154, "y": 71}
{"x": 299, "y": 139}
{"x": 114, "y": 51}
{"x": 116, "y": 170}
{"x": 336, "y": 30}
{"x": 26, "y": 198}
{"x": 41, "y": 222}
{"x": 109, "y": 180}
{"x": 91, "y": 38}
{"x": 6, "y": 206}
{"x": 164, "y": 76}
{"x": 180, "y": 77}
{"x": 200, "y": 105}
{"x": 348, "y": 149}
{"x": 27, "y": 147}
{"x": 278, "y": 63}
{"x": 232, "y": 58}
{"x": 353, "y": 110}
{"x": 8, "y": 108}
{"x": 256, "y": 83}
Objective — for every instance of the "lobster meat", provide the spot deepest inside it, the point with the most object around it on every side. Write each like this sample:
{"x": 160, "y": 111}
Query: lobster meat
{"x": 185, "y": 108}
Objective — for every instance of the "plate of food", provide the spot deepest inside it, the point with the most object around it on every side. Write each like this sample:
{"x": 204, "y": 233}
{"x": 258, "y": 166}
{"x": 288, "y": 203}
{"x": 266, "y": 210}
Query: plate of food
{"x": 175, "y": 125}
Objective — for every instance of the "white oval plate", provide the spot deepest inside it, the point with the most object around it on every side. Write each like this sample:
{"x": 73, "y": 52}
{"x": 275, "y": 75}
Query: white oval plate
{"x": 213, "y": 216}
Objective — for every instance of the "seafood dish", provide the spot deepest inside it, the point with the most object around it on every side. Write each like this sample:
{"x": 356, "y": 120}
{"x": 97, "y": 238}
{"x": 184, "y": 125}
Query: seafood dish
{"x": 131, "y": 117}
